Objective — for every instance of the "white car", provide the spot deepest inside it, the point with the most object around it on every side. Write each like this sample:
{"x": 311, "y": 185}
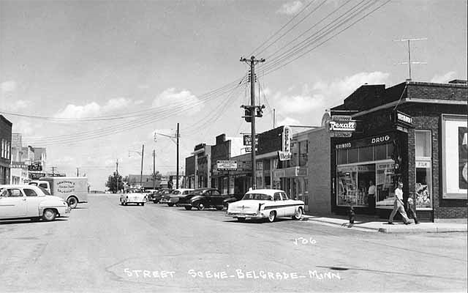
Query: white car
{"x": 30, "y": 202}
{"x": 265, "y": 204}
{"x": 137, "y": 197}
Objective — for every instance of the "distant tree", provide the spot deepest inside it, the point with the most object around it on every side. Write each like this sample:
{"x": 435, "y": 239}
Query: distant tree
{"x": 114, "y": 183}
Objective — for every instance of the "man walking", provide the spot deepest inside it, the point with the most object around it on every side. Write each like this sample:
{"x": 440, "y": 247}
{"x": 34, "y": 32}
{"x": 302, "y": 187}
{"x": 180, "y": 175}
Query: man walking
{"x": 398, "y": 206}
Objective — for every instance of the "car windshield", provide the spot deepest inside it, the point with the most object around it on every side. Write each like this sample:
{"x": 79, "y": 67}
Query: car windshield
{"x": 176, "y": 192}
{"x": 33, "y": 183}
{"x": 256, "y": 196}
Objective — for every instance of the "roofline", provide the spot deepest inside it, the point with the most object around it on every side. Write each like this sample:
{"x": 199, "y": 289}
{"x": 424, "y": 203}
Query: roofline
{"x": 422, "y": 101}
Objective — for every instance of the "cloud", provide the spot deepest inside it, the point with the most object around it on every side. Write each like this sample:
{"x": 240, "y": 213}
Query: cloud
{"x": 73, "y": 111}
{"x": 180, "y": 101}
{"x": 116, "y": 104}
{"x": 20, "y": 104}
{"x": 93, "y": 109}
{"x": 290, "y": 8}
{"x": 8, "y": 86}
{"x": 288, "y": 121}
{"x": 451, "y": 75}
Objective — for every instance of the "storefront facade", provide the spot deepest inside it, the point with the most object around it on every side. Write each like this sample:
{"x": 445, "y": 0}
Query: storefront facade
{"x": 413, "y": 133}
{"x": 5, "y": 156}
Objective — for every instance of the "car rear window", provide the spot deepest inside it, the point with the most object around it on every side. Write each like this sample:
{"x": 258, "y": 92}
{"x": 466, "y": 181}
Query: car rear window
{"x": 256, "y": 196}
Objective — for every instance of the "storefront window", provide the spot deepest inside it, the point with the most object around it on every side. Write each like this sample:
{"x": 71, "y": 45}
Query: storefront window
{"x": 353, "y": 155}
{"x": 423, "y": 143}
{"x": 423, "y": 185}
{"x": 423, "y": 188}
{"x": 347, "y": 185}
{"x": 384, "y": 183}
{"x": 341, "y": 157}
{"x": 366, "y": 154}
{"x": 380, "y": 152}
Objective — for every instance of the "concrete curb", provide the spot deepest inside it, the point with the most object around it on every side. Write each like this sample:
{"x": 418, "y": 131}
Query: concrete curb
{"x": 398, "y": 228}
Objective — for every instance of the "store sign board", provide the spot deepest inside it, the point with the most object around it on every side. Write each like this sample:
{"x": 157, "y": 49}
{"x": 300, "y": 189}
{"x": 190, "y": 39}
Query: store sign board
{"x": 348, "y": 126}
{"x": 385, "y": 166}
{"x": 284, "y": 156}
{"x": 341, "y": 118}
{"x": 286, "y": 143}
{"x": 422, "y": 164}
{"x": 248, "y": 140}
{"x": 402, "y": 118}
{"x": 373, "y": 140}
{"x": 341, "y": 134}
{"x": 226, "y": 165}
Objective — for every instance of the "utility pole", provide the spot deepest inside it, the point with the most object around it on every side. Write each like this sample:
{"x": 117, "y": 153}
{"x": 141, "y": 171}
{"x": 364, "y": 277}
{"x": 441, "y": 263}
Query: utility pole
{"x": 251, "y": 113}
{"x": 117, "y": 174}
{"x": 177, "y": 164}
{"x": 154, "y": 170}
{"x": 408, "y": 41}
{"x": 142, "y": 156}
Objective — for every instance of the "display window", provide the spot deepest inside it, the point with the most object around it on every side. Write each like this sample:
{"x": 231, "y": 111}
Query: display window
{"x": 347, "y": 185}
{"x": 384, "y": 183}
{"x": 423, "y": 188}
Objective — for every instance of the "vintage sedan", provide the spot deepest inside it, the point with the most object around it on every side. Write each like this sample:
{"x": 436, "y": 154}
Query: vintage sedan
{"x": 265, "y": 204}
{"x": 30, "y": 202}
{"x": 177, "y": 194}
{"x": 137, "y": 198}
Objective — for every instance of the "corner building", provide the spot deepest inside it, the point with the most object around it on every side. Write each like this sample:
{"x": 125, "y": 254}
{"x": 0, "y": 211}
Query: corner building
{"x": 413, "y": 132}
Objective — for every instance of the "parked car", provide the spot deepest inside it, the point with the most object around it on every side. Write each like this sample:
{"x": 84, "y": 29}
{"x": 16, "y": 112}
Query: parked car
{"x": 166, "y": 197}
{"x": 135, "y": 197}
{"x": 158, "y": 195}
{"x": 30, "y": 202}
{"x": 265, "y": 204}
{"x": 177, "y": 194}
{"x": 150, "y": 194}
{"x": 202, "y": 198}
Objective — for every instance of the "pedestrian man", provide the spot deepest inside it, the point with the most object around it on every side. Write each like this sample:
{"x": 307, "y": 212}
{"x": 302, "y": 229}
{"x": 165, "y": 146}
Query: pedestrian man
{"x": 371, "y": 196}
{"x": 411, "y": 210}
{"x": 398, "y": 205}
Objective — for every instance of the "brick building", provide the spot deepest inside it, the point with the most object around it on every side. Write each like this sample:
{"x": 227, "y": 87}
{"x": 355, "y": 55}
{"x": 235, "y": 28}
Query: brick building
{"x": 413, "y": 132}
{"x": 5, "y": 156}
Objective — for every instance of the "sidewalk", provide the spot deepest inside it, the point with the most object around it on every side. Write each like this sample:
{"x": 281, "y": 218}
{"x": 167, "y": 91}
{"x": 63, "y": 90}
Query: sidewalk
{"x": 375, "y": 224}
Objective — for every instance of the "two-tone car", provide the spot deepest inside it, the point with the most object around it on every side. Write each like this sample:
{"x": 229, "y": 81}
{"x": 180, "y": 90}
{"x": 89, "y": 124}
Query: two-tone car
{"x": 177, "y": 194}
{"x": 30, "y": 202}
{"x": 265, "y": 204}
{"x": 138, "y": 198}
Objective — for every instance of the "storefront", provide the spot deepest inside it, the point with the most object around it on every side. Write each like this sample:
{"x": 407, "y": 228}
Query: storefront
{"x": 361, "y": 164}
{"x": 414, "y": 133}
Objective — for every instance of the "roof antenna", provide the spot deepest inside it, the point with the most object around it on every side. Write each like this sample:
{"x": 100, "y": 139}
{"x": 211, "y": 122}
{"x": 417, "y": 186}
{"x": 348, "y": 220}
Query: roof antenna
{"x": 408, "y": 41}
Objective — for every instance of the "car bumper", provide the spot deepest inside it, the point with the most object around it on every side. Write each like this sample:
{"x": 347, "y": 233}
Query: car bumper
{"x": 246, "y": 215}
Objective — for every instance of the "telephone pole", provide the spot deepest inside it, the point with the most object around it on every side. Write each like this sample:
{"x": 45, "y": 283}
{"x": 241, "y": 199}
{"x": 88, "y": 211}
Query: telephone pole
{"x": 142, "y": 156}
{"x": 251, "y": 113}
{"x": 154, "y": 170}
{"x": 177, "y": 164}
{"x": 117, "y": 175}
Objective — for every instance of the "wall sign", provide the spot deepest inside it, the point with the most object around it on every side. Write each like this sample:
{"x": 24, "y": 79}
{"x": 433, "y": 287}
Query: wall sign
{"x": 373, "y": 140}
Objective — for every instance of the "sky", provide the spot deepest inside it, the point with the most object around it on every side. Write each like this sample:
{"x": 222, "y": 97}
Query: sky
{"x": 94, "y": 81}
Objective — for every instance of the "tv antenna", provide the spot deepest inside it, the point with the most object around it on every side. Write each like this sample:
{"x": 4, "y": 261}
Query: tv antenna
{"x": 409, "y": 62}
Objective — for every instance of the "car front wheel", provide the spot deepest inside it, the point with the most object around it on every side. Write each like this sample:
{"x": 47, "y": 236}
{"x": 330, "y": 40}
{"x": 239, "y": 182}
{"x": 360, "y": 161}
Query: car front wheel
{"x": 200, "y": 206}
{"x": 49, "y": 215}
{"x": 298, "y": 214}
{"x": 272, "y": 216}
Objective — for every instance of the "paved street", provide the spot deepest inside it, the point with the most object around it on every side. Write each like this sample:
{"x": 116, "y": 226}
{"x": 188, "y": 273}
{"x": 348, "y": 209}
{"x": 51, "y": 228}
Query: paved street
{"x": 105, "y": 247}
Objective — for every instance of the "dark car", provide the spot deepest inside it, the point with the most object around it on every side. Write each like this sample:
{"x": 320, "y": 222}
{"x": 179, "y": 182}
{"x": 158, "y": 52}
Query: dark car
{"x": 202, "y": 198}
{"x": 160, "y": 194}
